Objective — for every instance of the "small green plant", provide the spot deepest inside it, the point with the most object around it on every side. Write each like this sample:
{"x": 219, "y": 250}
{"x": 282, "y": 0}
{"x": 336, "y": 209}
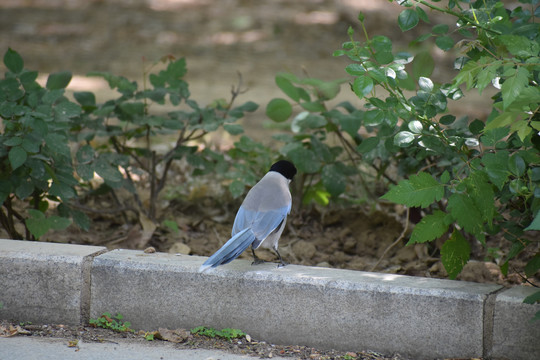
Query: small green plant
{"x": 149, "y": 336}
{"x": 115, "y": 323}
{"x": 227, "y": 333}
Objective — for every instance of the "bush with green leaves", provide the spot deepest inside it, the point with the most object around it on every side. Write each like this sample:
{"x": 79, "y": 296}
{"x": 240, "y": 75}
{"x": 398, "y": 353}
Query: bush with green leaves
{"x": 36, "y": 167}
{"x": 322, "y": 142}
{"x": 128, "y": 132}
{"x": 51, "y": 147}
{"x": 474, "y": 178}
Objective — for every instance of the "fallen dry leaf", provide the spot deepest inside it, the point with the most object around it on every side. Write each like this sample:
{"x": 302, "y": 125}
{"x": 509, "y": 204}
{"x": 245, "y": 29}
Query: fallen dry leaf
{"x": 10, "y": 331}
{"x": 73, "y": 343}
{"x": 175, "y": 336}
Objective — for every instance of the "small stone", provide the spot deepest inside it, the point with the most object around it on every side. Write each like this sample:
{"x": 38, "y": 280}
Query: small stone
{"x": 150, "y": 250}
{"x": 180, "y": 248}
{"x": 324, "y": 264}
{"x": 480, "y": 271}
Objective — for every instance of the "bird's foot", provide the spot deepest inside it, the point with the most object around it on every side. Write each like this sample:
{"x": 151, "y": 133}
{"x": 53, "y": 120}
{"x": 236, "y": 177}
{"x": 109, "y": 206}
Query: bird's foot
{"x": 282, "y": 264}
{"x": 258, "y": 261}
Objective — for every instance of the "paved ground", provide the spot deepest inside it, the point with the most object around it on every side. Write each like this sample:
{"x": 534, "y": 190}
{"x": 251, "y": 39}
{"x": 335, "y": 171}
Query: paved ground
{"x": 34, "y": 348}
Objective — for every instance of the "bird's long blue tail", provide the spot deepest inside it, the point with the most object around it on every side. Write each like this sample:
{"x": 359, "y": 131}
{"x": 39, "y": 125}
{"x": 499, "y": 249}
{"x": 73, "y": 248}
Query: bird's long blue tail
{"x": 231, "y": 250}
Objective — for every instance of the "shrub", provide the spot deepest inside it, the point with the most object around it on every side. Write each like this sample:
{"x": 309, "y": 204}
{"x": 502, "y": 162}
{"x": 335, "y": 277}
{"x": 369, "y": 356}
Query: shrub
{"x": 128, "y": 131}
{"x": 41, "y": 128}
{"x": 35, "y": 160}
{"x": 473, "y": 178}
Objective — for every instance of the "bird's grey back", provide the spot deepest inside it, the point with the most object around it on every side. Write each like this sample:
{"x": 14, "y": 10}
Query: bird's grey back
{"x": 270, "y": 193}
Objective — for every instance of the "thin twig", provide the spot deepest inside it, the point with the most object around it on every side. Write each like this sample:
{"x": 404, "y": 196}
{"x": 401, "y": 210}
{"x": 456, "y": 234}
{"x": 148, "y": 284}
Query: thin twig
{"x": 524, "y": 278}
{"x": 400, "y": 237}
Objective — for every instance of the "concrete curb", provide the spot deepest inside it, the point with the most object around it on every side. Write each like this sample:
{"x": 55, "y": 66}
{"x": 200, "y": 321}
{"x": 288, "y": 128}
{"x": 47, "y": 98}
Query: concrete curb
{"x": 320, "y": 307}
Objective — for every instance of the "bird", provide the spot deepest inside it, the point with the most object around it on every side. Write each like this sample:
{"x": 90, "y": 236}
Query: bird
{"x": 261, "y": 217}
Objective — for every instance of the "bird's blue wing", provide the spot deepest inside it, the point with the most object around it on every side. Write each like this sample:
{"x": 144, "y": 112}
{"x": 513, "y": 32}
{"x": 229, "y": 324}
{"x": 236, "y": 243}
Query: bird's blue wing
{"x": 261, "y": 223}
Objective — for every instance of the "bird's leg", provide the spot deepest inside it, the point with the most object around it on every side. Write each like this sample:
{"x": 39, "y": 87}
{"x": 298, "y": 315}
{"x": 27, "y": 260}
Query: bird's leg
{"x": 282, "y": 263}
{"x": 256, "y": 259}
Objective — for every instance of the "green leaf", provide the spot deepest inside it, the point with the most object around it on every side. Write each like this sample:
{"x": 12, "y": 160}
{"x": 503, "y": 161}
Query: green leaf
{"x": 13, "y": 141}
{"x": 81, "y": 219}
{"x": 425, "y": 84}
{"x": 423, "y": 65}
{"x": 535, "y": 224}
{"x": 177, "y": 69}
{"x": 58, "y": 222}
{"x": 313, "y": 106}
{"x": 464, "y": 210}
{"x": 58, "y": 80}
{"x": 85, "y": 98}
{"x": 233, "y": 129}
{"x": 419, "y": 190}
{"x": 440, "y": 29}
{"x": 327, "y": 90}
{"x": 355, "y": 69}
{"x": 63, "y": 191}
{"x": 455, "y": 253}
{"x": 444, "y": 43}
{"x": 404, "y": 138}
{"x": 368, "y": 144}
{"x": 133, "y": 108}
{"x": 107, "y": 171}
{"x": 514, "y": 85}
{"x": 248, "y": 106}
{"x": 492, "y": 137}
{"x": 533, "y": 266}
{"x": 520, "y": 46}
{"x": 287, "y": 87}
{"x": 305, "y": 160}
{"x": 13, "y": 61}
{"x": 236, "y": 188}
{"x": 517, "y": 165}
{"x": 429, "y": 228}
{"x": 533, "y": 298}
{"x": 66, "y": 110}
{"x": 24, "y": 189}
{"x": 447, "y": 119}
{"x": 316, "y": 193}
{"x": 85, "y": 154}
{"x": 503, "y": 119}
{"x": 37, "y": 224}
{"x": 497, "y": 167}
{"x": 408, "y": 19}
{"x": 362, "y": 86}
{"x": 373, "y": 117}
{"x": 481, "y": 192}
{"x": 278, "y": 110}
{"x": 333, "y": 179}
{"x": 17, "y": 156}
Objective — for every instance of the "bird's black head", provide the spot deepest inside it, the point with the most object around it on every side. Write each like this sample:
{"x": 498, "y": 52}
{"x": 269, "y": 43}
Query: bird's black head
{"x": 285, "y": 168}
